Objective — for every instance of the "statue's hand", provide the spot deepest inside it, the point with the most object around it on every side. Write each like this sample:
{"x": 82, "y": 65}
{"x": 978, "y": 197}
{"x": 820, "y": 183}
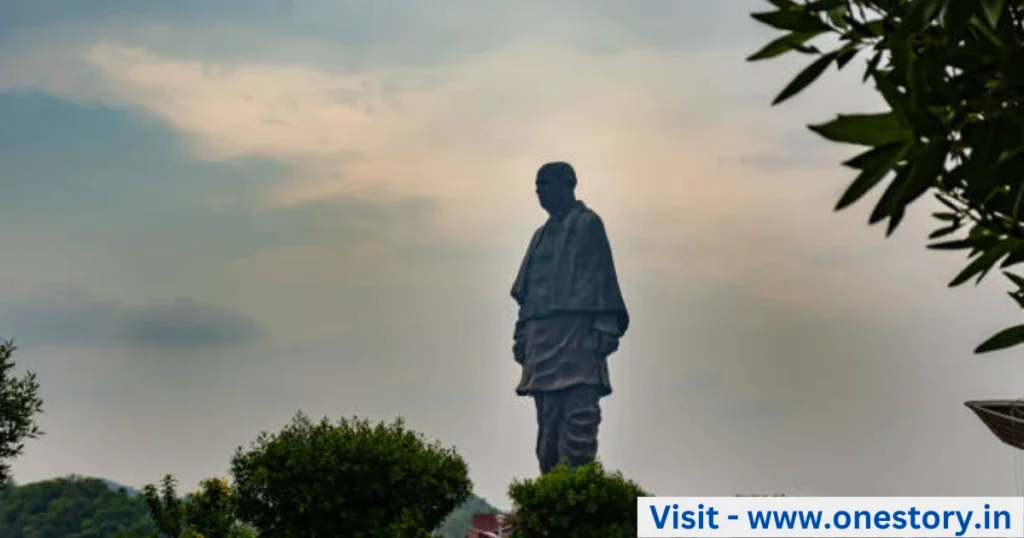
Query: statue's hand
{"x": 605, "y": 344}
{"x": 519, "y": 350}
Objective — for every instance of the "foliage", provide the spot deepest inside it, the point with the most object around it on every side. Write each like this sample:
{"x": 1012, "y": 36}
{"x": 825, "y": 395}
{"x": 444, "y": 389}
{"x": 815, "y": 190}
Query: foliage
{"x": 19, "y": 406}
{"x": 209, "y": 512}
{"x": 574, "y": 503}
{"x": 349, "y": 479}
{"x": 72, "y": 507}
{"x": 951, "y": 73}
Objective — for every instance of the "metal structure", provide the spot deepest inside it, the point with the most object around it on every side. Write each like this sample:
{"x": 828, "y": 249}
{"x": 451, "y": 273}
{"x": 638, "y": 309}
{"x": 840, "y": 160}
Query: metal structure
{"x": 1005, "y": 418}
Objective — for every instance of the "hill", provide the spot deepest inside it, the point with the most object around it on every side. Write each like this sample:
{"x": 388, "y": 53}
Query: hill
{"x": 461, "y": 520}
{"x": 71, "y": 507}
{"x": 80, "y": 507}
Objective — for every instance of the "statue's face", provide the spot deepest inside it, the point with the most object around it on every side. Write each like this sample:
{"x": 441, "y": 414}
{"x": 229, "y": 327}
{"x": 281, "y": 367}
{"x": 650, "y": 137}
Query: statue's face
{"x": 553, "y": 192}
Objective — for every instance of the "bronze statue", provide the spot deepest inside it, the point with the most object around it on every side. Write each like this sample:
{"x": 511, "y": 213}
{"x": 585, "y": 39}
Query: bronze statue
{"x": 571, "y": 317}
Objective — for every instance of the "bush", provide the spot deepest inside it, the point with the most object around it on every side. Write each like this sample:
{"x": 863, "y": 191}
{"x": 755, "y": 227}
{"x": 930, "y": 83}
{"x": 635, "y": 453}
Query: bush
{"x": 583, "y": 502}
{"x": 348, "y": 479}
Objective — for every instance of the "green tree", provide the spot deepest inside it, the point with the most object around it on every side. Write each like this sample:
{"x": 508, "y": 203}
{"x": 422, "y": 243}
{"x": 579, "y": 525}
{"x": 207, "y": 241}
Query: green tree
{"x": 353, "y": 479}
{"x": 951, "y": 73}
{"x": 71, "y": 507}
{"x": 210, "y": 512}
{"x": 165, "y": 508}
{"x": 585, "y": 502}
{"x": 19, "y": 406}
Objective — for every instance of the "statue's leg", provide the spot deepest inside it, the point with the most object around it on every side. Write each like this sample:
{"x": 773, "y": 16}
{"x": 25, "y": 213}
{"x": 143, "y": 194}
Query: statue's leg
{"x": 548, "y": 414}
{"x": 581, "y": 417}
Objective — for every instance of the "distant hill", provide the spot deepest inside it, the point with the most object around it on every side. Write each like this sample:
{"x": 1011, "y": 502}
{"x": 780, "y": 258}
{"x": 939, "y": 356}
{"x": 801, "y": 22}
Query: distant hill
{"x": 80, "y": 507}
{"x": 461, "y": 520}
{"x": 114, "y": 486}
{"x": 71, "y": 507}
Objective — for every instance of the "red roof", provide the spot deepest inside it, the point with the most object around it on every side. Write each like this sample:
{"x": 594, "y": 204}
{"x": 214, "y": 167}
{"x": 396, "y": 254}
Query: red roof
{"x": 486, "y": 526}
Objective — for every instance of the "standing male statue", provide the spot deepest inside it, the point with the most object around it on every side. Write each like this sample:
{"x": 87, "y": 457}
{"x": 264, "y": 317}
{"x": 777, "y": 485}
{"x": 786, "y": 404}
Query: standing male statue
{"x": 571, "y": 317}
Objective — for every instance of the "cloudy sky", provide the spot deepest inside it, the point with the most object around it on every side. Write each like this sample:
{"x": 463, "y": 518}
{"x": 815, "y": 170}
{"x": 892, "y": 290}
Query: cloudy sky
{"x": 214, "y": 214}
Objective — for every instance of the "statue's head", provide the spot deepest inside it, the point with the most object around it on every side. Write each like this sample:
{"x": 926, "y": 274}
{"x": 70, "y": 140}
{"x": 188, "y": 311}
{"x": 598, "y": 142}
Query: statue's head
{"x": 556, "y": 186}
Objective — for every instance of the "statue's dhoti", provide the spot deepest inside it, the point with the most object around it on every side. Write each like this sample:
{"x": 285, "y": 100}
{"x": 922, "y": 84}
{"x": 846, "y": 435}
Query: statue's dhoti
{"x": 566, "y": 375}
{"x": 567, "y": 423}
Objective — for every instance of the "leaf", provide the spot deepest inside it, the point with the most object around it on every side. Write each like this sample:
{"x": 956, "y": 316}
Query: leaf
{"x": 781, "y": 46}
{"x": 785, "y": 4}
{"x": 1016, "y": 279}
{"x": 923, "y": 175}
{"x": 993, "y": 9}
{"x": 885, "y": 207}
{"x": 875, "y": 164}
{"x": 946, "y": 216}
{"x": 805, "y": 77}
{"x": 825, "y": 5}
{"x": 864, "y": 129}
{"x": 942, "y": 232}
{"x": 1002, "y": 340}
{"x": 894, "y": 220}
{"x": 958, "y": 244}
{"x": 956, "y": 15}
{"x": 845, "y": 57}
{"x": 980, "y": 265}
{"x": 863, "y": 160}
{"x": 792, "y": 20}
{"x": 921, "y": 13}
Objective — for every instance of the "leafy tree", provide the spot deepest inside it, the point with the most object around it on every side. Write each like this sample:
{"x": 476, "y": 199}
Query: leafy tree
{"x": 165, "y": 507}
{"x": 209, "y": 512}
{"x": 19, "y": 406}
{"x": 951, "y": 73}
{"x": 72, "y": 507}
{"x": 353, "y": 479}
{"x": 585, "y": 502}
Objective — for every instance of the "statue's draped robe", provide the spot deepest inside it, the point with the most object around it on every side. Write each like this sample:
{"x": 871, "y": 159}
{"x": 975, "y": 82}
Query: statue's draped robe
{"x": 568, "y": 293}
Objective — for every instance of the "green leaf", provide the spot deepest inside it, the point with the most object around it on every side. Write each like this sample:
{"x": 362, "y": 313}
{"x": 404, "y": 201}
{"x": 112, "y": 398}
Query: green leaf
{"x": 958, "y": 244}
{"x": 980, "y": 265}
{"x": 844, "y": 57}
{"x": 993, "y": 9}
{"x": 923, "y": 175}
{"x": 791, "y": 20}
{"x": 1016, "y": 279}
{"x": 921, "y": 13}
{"x": 946, "y": 216}
{"x": 864, "y": 129}
{"x": 956, "y": 15}
{"x": 1003, "y": 339}
{"x": 874, "y": 165}
{"x": 942, "y": 232}
{"x": 805, "y": 77}
{"x": 785, "y": 4}
{"x": 781, "y": 46}
{"x": 885, "y": 207}
{"x": 825, "y": 5}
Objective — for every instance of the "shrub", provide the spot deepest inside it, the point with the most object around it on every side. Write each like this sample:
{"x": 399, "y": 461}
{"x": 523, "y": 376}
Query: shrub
{"x": 583, "y": 502}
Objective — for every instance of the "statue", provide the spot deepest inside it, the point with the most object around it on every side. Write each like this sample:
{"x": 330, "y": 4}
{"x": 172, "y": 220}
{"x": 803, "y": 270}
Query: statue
{"x": 571, "y": 317}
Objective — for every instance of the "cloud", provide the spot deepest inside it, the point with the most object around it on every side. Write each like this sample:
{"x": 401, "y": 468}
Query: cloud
{"x": 71, "y": 317}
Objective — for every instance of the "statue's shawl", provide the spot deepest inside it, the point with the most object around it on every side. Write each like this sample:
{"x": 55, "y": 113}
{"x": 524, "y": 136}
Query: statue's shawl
{"x": 586, "y": 281}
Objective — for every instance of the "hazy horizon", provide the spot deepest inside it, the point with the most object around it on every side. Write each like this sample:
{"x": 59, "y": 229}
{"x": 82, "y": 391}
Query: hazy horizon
{"x": 219, "y": 213}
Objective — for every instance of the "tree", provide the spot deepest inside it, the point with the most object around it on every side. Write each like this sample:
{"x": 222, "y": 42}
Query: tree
{"x": 165, "y": 507}
{"x": 353, "y": 478}
{"x": 584, "y": 502}
{"x": 19, "y": 406}
{"x": 951, "y": 73}
{"x": 71, "y": 507}
{"x": 209, "y": 512}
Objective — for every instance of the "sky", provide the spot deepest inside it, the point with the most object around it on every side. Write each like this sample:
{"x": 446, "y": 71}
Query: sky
{"x": 215, "y": 214}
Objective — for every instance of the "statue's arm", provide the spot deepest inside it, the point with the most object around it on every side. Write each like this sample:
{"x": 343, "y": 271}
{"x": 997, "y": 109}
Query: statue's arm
{"x": 519, "y": 342}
